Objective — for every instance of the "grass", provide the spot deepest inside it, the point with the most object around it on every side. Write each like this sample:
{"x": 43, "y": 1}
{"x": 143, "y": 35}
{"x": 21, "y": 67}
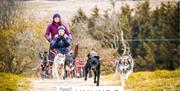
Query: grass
{"x": 12, "y": 82}
{"x": 160, "y": 80}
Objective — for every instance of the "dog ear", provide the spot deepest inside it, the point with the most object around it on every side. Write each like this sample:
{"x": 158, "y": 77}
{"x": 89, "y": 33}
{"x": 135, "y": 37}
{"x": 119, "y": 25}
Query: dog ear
{"x": 45, "y": 52}
{"x": 88, "y": 55}
{"x": 97, "y": 57}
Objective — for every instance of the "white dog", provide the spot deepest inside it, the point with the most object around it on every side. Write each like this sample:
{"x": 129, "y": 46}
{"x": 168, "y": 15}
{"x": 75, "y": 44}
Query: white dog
{"x": 125, "y": 67}
{"x": 59, "y": 60}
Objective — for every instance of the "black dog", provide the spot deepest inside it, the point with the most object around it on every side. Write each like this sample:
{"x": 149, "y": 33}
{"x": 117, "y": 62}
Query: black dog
{"x": 44, "y": 65}
{"x": 70, "y": 62}
{"x": 93, "y": 64}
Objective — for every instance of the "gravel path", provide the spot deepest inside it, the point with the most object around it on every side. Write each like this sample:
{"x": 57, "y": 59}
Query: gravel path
{"x": 51, "y": 85}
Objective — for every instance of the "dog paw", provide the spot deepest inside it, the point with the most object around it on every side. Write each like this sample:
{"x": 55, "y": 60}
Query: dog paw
{"x": 125, "y": 78}
{"x": 94, "y": 81}
{"x": 85, "y": 79}
{"x": 64, "y": 78}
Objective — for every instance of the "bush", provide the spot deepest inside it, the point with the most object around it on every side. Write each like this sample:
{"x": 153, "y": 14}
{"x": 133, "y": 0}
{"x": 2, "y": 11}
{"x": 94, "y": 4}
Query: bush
{"x": 21, "y": 39}
{"x": 12, "y": 82}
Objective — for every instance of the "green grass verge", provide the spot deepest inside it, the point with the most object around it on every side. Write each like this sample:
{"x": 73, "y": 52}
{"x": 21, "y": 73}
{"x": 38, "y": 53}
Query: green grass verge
{"x": 12, "y": 82}
{"x": 160, "y": 80}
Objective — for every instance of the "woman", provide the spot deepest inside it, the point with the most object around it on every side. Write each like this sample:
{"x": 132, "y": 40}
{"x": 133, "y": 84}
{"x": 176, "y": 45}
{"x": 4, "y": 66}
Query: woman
{"x": 52, "y": 28}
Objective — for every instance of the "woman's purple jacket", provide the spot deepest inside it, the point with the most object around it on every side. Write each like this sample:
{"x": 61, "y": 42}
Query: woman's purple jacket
{"x": 52, "y": 30}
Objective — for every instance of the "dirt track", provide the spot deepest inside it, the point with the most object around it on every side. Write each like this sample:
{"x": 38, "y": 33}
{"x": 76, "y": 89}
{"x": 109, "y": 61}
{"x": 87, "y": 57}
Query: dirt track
{"x": 51, "y": 85}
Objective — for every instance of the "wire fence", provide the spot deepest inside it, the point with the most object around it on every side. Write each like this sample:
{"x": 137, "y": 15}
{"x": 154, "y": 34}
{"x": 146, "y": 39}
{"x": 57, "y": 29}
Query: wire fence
{"x": 151, "y": 40}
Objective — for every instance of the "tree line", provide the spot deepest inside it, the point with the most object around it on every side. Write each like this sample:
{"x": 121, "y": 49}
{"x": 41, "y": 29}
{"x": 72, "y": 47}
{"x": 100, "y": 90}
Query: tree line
{"x": 152, "y": 34}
